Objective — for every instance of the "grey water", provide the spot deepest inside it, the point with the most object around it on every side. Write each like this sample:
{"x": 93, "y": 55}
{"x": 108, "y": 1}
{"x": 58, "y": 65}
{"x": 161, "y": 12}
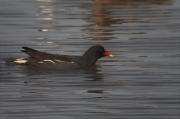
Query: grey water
{"x": 141, "y": 81}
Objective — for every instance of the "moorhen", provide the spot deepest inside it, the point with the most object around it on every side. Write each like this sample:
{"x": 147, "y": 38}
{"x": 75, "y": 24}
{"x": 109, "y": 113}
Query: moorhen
{"x": 46, "y": 60}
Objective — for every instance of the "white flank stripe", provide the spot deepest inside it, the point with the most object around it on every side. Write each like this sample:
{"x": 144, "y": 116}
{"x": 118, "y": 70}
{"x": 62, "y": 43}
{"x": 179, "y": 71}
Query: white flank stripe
{"x": 49, "y": 61}
{"x": 59, "y": 61}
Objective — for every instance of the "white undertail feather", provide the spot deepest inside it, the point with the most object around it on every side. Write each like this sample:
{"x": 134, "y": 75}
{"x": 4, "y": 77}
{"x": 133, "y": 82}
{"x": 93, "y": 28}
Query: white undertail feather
{"x": 24, "y": 61}
{"x": 21, "y": 61}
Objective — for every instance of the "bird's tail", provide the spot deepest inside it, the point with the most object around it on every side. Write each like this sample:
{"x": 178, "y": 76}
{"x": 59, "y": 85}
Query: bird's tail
{"x": 28, "y": 50}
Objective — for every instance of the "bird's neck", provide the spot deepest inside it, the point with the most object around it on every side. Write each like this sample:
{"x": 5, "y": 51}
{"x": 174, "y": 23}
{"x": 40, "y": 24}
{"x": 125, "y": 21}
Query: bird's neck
{"x": 89, "y": 60}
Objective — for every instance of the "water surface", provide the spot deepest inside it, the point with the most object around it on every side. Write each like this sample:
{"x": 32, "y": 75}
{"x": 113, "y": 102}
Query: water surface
{"x": 142, "y": 81}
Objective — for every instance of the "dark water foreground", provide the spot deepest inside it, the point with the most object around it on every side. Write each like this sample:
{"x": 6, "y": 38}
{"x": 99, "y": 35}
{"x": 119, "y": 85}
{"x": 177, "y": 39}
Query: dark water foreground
{"x": 142, "y": 81}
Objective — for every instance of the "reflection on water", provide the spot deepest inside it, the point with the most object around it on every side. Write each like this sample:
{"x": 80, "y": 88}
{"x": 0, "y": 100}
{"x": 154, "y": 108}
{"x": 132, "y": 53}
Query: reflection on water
{"x": 91, "y": 74}
{"x": 46, "y": 14}
{"x": 133, "y": 3}
{"x": 103, "y": 17}
{"x": 94, "y": 74}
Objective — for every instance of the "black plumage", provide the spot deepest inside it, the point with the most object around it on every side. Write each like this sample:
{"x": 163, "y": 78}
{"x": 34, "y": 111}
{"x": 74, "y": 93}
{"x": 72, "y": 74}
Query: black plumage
{"x": 38, "y": 58}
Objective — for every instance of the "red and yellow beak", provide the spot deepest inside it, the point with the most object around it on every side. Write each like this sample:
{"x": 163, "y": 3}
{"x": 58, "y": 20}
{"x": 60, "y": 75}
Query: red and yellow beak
{"x": 108, "y": 54}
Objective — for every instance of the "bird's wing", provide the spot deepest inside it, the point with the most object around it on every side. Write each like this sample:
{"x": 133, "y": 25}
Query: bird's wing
{"x": 45, "y": 56}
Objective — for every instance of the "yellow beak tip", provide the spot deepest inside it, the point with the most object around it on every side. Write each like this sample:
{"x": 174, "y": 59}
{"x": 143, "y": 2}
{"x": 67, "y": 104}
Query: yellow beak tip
{"x": 110, "y": 56}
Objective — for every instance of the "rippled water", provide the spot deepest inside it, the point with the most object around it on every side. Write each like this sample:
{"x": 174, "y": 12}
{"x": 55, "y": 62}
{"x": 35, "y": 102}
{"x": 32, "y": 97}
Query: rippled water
{"x": 142, "y": 81}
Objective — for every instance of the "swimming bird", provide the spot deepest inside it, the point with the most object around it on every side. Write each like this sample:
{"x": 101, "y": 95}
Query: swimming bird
{"x": 46, "y": 60}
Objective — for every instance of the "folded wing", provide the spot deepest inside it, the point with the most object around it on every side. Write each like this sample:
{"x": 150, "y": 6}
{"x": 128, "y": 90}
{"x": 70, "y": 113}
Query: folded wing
{"x": 38, "y": 55}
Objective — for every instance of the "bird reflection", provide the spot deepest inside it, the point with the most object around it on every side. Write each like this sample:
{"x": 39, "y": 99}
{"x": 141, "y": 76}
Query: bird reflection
{"x": 94, "y": 73}
{"x": 90, "y": 74}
